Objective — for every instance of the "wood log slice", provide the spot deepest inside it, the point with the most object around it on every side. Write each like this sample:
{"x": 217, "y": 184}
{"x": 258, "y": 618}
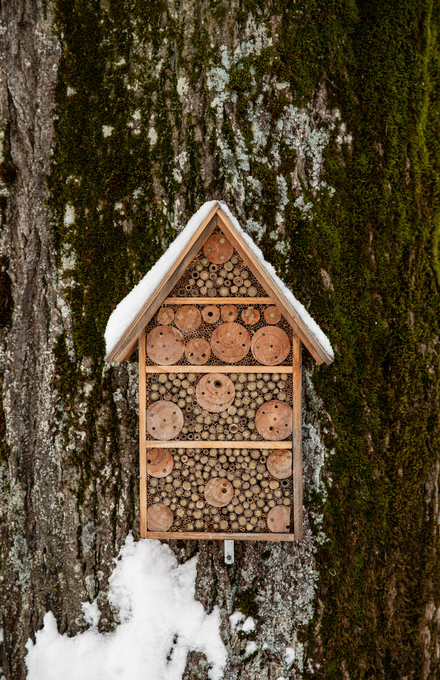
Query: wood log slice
{"x": 278, "y": 519}
{"x": 218, "y": 249}
{"x": 270, "y": 345}
{"x": 211, "y": 314}
{"x": 164, "y": 420}
{"x": 165, "y": 316}
{"x": 188, "y": 318}
{"x": 230, "y": 342}
{"x": 272, "y": 315}
{"x": 279, "y": 463}
{"x": 215, "y": 392}
{"x": 165, "y": 345}
{"x": 250, "y": 316}
{"x": 159, "y": 463}
{"x": 198, "y": 351}
{"x": 219, "y": 492}
{"x": 159, "y": 517}
{"x": 274, "y": 420}
{"x": 229, "y": 313}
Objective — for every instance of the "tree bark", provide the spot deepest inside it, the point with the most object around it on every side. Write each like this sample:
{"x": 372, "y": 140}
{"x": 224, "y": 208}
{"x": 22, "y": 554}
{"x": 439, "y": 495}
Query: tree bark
{"x": 319, "y": 125}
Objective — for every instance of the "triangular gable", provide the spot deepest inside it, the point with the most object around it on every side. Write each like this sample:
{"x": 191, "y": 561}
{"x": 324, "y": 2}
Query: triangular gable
{"x": 134, "y": 312}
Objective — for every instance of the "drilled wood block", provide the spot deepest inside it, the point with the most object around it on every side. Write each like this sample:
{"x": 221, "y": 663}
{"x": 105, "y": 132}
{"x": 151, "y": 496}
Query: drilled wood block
{"x": 188, "y": 318}
{"x": 164, "y": 420}
{"x": 279, "y": 463}
{"x": 229, "y": 313}
{"x": 270, "y": 345}
{"x": 165, "y": 345}
{"x": 219, "y": 492}
{"x": 215, "y": 392}
{"x": 159, "y": 517}
{"x": 250, "y": 316}
{"x": 211, "y": 314}
{"x": 165, "y": 316}
{"x": 278, "y": 519}
{"x": 230, "y": 342}
{"x": 274, "y": 420}
{"x": 272, "y": 315}
{"x": 218, "y": 249}
{"x": 159, "y": 463}
{"x": 198, "y": 351}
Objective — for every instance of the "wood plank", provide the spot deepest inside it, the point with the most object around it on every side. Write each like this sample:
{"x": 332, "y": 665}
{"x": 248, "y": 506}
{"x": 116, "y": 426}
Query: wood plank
{"x": 218, "y": 301}
{"x": 297, "y": 440}
{"x": 128, "y": 340}
{"x": 219, "y": 369}
{"x": 211, "y": 536}
{"x": 272, "y": 289}
{"x": 142, "y": 434}
{"x": 227, "y": 444}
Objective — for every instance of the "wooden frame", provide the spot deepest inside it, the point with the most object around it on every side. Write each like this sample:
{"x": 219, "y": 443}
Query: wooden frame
{"x": 219, "y": 536}
{"x": 135, "y": 333}
{"x": 209, "y": 444}
{"x": 219, "y": 369}
{"x": 142, "y": 430}
{"x": 297, "y": 440}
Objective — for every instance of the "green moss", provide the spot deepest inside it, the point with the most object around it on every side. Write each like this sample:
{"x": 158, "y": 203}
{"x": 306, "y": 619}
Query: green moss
{"x": 246, "y": 604}
{"x": 4, "y": 448}
{"x": 6, "y": 301}
{"x": 3, "y": 207}
{"x": 8, "y": 173}
{"x": 8, "y": 169}
{"x": 375, "y": 240}
{"x": 376, "y": 237}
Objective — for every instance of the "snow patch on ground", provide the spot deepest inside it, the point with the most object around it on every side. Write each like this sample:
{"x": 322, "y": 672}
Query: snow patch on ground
{"x": 91, "y": 613}
{"x": 160, "y": 623}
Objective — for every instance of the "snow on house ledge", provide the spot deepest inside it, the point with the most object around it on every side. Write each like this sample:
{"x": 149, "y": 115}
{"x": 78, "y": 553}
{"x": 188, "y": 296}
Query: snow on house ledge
{"x": 137, "y": 308}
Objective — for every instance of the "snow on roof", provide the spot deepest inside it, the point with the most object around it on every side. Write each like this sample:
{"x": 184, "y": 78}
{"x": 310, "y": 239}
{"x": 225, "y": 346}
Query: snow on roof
{"x": 287, "y": 294}
{"x": 129, "y": 308}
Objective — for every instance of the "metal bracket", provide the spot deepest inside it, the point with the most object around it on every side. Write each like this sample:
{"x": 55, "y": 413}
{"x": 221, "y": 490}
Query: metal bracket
{"x": 229, "y": 552}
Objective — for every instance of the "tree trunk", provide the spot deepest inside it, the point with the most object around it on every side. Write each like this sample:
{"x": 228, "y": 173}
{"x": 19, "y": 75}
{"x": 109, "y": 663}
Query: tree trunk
{"x": 318, "y": 124}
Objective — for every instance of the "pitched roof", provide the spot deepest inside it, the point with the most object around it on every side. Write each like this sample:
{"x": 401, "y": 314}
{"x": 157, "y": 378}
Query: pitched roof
{"x": 137, "y": 308}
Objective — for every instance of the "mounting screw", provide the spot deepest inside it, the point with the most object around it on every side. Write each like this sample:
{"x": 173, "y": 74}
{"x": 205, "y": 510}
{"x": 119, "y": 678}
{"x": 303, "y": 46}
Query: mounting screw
{"x": 229, "y": 552}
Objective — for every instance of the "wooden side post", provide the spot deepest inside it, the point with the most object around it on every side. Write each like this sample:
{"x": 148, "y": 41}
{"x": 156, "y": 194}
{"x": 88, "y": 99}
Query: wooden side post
{"x": 142, "y": 433}
{"x": 297, "y": 440}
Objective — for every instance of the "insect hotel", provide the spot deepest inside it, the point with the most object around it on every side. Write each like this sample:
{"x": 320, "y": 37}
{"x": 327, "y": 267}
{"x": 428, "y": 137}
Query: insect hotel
{"x": 219, "y": 338}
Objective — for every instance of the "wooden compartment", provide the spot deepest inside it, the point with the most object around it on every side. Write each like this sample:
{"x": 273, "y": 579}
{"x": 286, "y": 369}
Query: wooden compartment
{"x": 220, "y": 341}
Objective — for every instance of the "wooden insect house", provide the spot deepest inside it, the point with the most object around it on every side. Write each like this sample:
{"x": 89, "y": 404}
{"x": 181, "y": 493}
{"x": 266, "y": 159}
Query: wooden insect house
{"x": 219, "y": 339}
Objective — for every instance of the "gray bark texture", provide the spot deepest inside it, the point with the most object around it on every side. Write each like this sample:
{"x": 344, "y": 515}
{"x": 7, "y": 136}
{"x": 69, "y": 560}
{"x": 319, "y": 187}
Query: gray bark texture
{"x": 318, "y": 124}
